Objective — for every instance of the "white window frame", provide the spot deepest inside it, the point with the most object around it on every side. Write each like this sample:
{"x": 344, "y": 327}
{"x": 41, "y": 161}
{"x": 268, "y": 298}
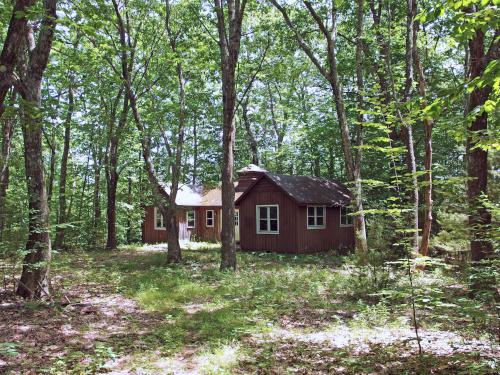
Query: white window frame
{"x": 236, "y": 218}
{"x": 315, "y": 226}
{"x": 347, "y": 215}
{"x": 156, "y": 212}
{"x": 194, "y": 219}
{"x": 206, "y": 218}
{"x": 257, "y": 218}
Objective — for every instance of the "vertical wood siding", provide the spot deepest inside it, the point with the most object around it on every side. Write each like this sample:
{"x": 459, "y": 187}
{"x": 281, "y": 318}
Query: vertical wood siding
{"x": 333, "y": 236}
{"x": 200, "y": 233}
{"x": 265, "y": 192}
{"x": 293, "y": 237}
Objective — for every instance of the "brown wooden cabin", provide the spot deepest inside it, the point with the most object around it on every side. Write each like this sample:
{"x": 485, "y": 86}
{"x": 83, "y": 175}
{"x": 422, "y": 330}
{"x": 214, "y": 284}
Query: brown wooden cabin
{"x": 278, "y": 213}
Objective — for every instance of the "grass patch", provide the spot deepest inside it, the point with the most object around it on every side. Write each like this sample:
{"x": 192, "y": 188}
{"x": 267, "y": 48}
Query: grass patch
{"x": 211, "y": 319}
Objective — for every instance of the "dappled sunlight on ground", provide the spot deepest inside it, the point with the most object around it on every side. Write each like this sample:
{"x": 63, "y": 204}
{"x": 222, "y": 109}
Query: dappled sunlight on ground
{"x": 127, "y": 312}
{"x": 434, "y": 342}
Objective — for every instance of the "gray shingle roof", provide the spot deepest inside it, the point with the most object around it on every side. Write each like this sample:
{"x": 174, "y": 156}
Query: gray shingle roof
{"x": 312, "y": 190}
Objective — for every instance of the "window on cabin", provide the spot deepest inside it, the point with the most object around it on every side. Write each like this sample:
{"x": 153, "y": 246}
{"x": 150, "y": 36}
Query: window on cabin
{"x": 210, "y": 218}
{"x": 316, "y": 217}
{"x": 236, "y": 218}
{"x": 159, "y": 225}
{"x": 345, "y": 217}
{"x": 191, "y": 219}
{"x": 267, "y": 219}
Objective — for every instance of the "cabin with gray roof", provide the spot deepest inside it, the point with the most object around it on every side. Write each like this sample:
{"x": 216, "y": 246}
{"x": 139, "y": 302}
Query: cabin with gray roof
{"x": 278, "y": 213}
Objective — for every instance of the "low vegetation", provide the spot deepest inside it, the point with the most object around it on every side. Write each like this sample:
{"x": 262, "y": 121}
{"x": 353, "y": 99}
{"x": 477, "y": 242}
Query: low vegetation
{"x": 128, "y": 311}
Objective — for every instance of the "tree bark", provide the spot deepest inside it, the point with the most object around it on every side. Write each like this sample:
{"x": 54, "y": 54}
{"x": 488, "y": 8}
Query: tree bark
{"x": 407, "y": 130}
{"x": 96, "y": 201}
{"x": 330, "y": 73}
{"x": 359, "y": 220}
{"x": 6, "y": 146}
{"x": 195, "y": 154}
{"x": 428, "y": 124}
{"x": 250, "y": 136}
{"x": 229, "y": 46}
{"x": 34, "y": 281}
{"x": 164, "y": 200}
{"x": 477, "y": 157}
{"x": 62, "y": 211}
{"x": 112, "y": 175}
{"x": 12, "y": 47}
{"x": 52, "y": 167}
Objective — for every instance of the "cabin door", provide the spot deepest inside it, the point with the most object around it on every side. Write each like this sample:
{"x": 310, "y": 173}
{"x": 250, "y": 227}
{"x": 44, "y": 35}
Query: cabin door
{"x": 237, "y": 225}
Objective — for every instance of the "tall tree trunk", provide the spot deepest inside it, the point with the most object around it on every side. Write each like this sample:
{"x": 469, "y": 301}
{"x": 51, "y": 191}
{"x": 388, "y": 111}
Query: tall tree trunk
{"x": 330, "y": 73}
{"x": 195, "y": 154}
{"x": 359, "y": 220}
{"x": 477, "y": 157}
{"x": 96, "y": 201}
{"x": 52, "y": 169}
{"x": 279, "y": 133}
{"x": 250, "y": 136}
{"x": 229, "y": 45}
{"x": 164, "y": 200}
{"x": 112, "y": 174}
{"x": 34, "y": 281}
{"x": 407, "y": 130}
{"x": 129, "y": 222}
{"x": 428, "y": 124}
{"x": 62, "y": 216}
{"x": 5, "y": 150}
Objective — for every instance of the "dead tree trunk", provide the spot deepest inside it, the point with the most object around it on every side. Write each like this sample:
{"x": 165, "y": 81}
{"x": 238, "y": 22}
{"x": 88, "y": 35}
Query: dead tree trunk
{"x": 229, "y": 29}
{"x": 62, "y": 211}
{"x": 34, "y": 280}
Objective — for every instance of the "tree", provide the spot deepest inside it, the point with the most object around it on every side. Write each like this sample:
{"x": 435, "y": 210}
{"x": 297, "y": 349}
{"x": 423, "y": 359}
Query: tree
{"x": 34, "y": 280}
{"x": 428, "y": 124}
{"x": 62, "y": 212}
{"x": 330, "y": 72}
{"x": 229, "y": 29}
{"x": 477, "y": 156}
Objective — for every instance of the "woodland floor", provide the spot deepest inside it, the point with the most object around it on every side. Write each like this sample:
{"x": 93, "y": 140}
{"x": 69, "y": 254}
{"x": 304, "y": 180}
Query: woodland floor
{"x": 126, "y": 312}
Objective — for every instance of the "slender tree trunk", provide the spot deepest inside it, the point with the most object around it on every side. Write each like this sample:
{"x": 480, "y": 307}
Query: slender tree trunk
{"x": 279, "y": 133}
{"x": 359, "y": 219}
{"x": 477, "y": 157}
{"x": 407, "y": 130}
{"x": 112, "y": 175}
{"x": 5, "y": 150}
{"x": 96, "y": 201}
{"x": 62, "y": 216}
{"x": 195, "y": 154}
{"x": 52, "y": 171}
{"x": 428, "y": 124}
{"x": 34, "y": 281}
{"x": 111, "y": 186}
{"x": 159, "y": 193}
{"x": 250, "y": 136}
{"x": 229, "y": 45}
{"x": 129, "y": 222}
